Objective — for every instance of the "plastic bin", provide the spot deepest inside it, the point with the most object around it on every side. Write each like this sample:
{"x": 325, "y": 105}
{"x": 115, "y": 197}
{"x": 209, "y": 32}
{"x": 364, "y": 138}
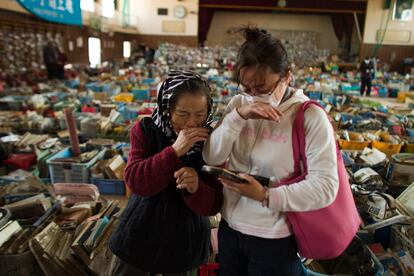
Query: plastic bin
{"x": 353, "y": 145}
{"x": 110, "y": 186}
{"x": 94, "y": 86}
{"x": 379, "y": 268}
{"x": 314, "y": 95}
{"x": 329, "y": 99}
{"x": 211, "y": 269}
{"x": 383, "y": 92}
{"x": 387, "y": 148}
{"x": 124, "y": 97}
{"x": 408, "y": 148}
{"x": 141, "y": 94}
{"x": 62, "y": 172}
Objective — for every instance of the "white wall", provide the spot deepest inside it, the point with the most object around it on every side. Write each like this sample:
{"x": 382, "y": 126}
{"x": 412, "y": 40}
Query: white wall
{"x": 321, "y": 24}
{"x": 376, "y": 18}
{"x": 149, "y": 22}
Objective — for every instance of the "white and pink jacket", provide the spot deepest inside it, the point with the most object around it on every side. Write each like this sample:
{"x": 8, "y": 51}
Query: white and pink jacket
{"x": 264, "y": 148}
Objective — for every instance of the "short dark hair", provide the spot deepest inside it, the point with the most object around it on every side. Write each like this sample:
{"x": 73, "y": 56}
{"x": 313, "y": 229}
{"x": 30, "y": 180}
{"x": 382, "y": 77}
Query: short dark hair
{"x": 192, "y": 87}
{"x": 261, "y": 49}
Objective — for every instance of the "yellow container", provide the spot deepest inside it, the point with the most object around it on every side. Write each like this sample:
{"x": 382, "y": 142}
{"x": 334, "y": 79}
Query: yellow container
{"x": 353, "y": 145}
{"x": 387, "y": 148}
{"x": 124, "y": 97}
{"x": 408, "y": 148}
{"x": 401, "y": 96}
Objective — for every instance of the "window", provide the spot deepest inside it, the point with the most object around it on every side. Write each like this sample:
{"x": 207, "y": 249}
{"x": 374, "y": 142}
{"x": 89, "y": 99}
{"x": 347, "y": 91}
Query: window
{"x": 88, "y": 5}
{"x": 108, "y": 8}
{"x": 127, "y": 49}
{"x": 94, "y": 50}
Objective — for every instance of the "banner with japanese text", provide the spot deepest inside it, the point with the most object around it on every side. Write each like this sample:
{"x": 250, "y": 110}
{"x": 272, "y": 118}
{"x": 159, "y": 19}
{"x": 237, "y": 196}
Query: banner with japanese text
{"x": 59, "y": 11}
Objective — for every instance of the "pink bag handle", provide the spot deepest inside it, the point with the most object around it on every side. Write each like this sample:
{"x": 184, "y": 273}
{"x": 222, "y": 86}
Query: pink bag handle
{"x": 298, "y": 139}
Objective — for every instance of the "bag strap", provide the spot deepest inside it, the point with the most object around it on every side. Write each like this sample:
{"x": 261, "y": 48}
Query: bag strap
{"x": 298, "y": 138}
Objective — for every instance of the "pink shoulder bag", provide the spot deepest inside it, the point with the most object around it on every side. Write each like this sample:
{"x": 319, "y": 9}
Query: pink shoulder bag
{"x": 324, "y": 233}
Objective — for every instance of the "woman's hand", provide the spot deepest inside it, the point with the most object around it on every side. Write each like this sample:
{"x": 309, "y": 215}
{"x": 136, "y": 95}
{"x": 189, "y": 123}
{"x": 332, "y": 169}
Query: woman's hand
{"x": 187, "y": 178}
{"x": 252, "y": 189}
{"x": 187, "y": 138}
{"x": 259, "y": 110}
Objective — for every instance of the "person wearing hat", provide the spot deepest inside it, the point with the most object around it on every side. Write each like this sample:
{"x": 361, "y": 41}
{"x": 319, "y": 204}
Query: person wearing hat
{"x": 164, "y": 228}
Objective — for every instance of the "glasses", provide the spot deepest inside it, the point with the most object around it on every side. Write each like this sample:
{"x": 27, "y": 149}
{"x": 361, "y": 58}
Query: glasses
{"x": 241, "y": 90}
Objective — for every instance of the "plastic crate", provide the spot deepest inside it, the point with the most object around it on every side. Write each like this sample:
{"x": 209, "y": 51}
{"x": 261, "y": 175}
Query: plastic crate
{"x": 408, "y": 148}
{"x": 314, "y": 95}
{"x": 329, "y": 99}
{"x": 94, "y": 86}
{"x": 383, "y": 92}
{"x": 147, "y": 81}
{"x": 110, "y": 186}
{"x": 210, "y": 269}
{"x": 353, "y": 145}
{"x": 387, "y": 148}
{"x": 62, "y": 172}
{"x": 141, "y": 94}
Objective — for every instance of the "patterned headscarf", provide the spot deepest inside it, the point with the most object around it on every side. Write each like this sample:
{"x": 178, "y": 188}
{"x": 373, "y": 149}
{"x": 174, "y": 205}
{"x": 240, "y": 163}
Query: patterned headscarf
{"x": 161, "y": 115}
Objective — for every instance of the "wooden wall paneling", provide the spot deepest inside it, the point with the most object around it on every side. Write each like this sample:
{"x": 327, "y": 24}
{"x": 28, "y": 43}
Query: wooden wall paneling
{"x": 394, "y": 55}
{"x": 154, "y": 40}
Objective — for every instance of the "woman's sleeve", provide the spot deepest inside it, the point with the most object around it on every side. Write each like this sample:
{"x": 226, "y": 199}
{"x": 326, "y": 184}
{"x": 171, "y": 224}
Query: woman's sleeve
{"x": 147, "y": 175}
{"x": 218, "y": 146}
{"x": 320, "y": 187}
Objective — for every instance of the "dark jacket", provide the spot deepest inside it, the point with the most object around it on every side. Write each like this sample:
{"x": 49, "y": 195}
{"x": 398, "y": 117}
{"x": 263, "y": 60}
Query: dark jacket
{"x": 161, "y": 229}
{"x": 366, "y": 70}
{"x": 50, "y": 55}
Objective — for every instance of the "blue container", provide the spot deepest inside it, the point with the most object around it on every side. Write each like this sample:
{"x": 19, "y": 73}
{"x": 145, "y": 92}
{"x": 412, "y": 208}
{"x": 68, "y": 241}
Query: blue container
{"x": 309, "y": 80}
{"x": 148, "y": 81}
{"x": 126, "y": 113}
{"x": 94, "y": 86}
{"x": 383, "y": 92}
{"x": 314, "y": 95}
{"x": 72, "y": 83}
{"x": 109, "y": 186}
{"x": 347, "y": 117}
{"x": 64, "y": 172}
{"x": 410, "y": 132}
{"x": 141, "y": 94}
{"x": 330, "y": 99}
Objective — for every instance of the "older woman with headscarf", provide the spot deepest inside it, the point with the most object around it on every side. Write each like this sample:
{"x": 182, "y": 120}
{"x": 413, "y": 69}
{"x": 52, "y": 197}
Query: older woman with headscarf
{"x": 164, "y": 228}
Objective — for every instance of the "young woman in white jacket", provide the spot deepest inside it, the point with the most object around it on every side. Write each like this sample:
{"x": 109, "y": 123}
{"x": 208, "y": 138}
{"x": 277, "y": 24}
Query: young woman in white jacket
{"x": 254, "y": 137}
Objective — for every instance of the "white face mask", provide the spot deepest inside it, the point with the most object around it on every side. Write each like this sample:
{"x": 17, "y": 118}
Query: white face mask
{"x": 264, "y": 99}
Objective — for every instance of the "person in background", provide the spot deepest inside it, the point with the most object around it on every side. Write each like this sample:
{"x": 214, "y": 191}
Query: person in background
{"x": 332, "y": 66}
{"x": 255, "y": 137}
{"x": 62, "y": 59}
{"x": 366, "y": 69}
{"x": 50, "y": 59}
{"x": 164, "y": 228}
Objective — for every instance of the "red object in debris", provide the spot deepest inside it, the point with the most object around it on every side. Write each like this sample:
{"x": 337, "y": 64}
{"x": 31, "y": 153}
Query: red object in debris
{"x": 209, "y": 269}
{"x": 224, "y": 92}
{"x": 73, "y": 136}
{"x": 21, "y": 161}
{"x": 89, "y": 109}
{"x": 49, "y": 113}
{"x": 145, "y": 111}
